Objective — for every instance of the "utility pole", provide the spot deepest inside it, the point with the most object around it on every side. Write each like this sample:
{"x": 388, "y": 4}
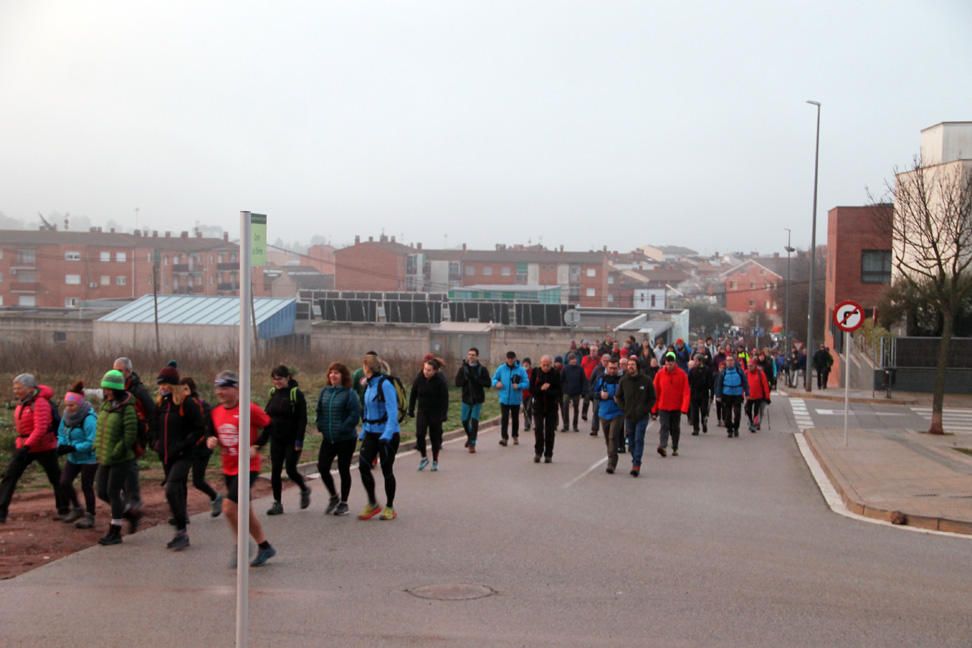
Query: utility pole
{"x": 786, "y": 296}
{"x": 808, "y": 379}
{"x": 155, "y": 296}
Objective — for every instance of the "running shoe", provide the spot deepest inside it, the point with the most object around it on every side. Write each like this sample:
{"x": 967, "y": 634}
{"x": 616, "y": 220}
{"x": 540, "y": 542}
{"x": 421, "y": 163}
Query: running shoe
{"x": 332, "y": 504}
{"x": 216, "y": 506}
{"x": 423, "y": 463}
{"x": 635, "y": 471}
{"x": 516, "y": 440}
{"x": 369, "y": 511}
{"x": 179, "y": 542}
{"x": 662, "y": 452}
{"x": 388, "y": 514}
{"x": 435, "y": 466}
{"x": 305, "y": 498}
{"x": 276, "y": 509}
{"x": 263, "y": 555}
{"x": 342, "y": 509}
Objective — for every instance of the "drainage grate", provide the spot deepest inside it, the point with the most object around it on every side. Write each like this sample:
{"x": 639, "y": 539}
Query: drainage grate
{"x": 452, "y": 592}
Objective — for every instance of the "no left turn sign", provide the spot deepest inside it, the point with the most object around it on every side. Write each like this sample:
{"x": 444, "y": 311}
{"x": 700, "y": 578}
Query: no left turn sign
{"x": 848, "y": 316}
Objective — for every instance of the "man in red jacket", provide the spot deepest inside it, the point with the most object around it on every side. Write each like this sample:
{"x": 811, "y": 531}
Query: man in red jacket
{"x": 35, "y": 442}
{"x": 671, "y": 401}
{"x": 759, "y": 395}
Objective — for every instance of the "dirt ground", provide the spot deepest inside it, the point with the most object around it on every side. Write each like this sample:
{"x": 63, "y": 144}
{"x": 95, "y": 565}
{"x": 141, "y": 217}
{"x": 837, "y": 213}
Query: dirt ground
{"x": 33, "y": 536}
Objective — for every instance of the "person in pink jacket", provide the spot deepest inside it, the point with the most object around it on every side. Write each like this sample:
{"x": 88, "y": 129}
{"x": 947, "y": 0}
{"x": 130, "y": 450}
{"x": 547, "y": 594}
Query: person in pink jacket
{"x": 36, "y": 441}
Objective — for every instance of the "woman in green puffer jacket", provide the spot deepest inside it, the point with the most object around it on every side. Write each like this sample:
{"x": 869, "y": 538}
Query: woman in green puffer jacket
{"x": 115, "y": 450}
{"x": 338, "y": 413}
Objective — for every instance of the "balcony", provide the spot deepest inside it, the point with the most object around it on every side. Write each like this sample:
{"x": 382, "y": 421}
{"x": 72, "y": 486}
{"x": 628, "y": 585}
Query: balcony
{"x": 230, "y": 265}
{"x": 23, "y": 286}
{"x": 227, "y": 286}
{"x": 180, "y": 267}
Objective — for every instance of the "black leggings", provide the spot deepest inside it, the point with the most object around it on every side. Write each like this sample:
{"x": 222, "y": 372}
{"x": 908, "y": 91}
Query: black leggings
{"x": 87, "y": 472}
{"x": 343, "y": 450}
{"x": 371, "y": 447}
{"x": 424, "y": 424}
{"x": 111, "y": 481}
{"x": 282, "y": 452}
{"x": 509, "y": 414}
{"x": 200, "y": 461}
{"x": 177, "y": 490}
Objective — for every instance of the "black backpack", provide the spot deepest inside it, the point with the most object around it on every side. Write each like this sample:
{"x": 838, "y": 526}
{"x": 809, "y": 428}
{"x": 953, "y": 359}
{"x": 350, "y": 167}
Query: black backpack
{"x": 55, "y": 418}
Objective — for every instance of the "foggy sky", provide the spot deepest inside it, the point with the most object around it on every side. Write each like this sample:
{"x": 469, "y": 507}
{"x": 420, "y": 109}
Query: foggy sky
{"x": 576, "y": 123}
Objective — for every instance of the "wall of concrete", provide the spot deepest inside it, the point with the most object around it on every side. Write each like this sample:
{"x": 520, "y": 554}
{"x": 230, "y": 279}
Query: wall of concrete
{"x": 54, "y": 331}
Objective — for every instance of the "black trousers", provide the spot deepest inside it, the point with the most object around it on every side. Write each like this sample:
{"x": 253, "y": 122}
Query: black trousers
{"x": 15, "y": 470}
{"x": 544, "y": 431}
{"x": 569, "y": 402}
{"x": 282, "y": 452}
{"x": 822, "y": 376}
{"x": 343, "y": 450}
{"x": 68, "y": 475}
{"x": 372, "y": 447}
{"x": 528, "y": 413}
{"x": 110, "y": 485}
{"x": 698, "y": 411}
{"x": 177, "y": 490}
{"x": 731, "y": 411}
{"x": 425, "y": 425}
{"x": 200, "y": 461}
{"x": 508, "y": 412}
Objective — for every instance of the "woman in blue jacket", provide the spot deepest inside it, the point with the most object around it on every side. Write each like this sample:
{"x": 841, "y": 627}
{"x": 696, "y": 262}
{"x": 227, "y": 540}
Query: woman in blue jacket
{"x": 75, "y": 438}
{"x": 379, "y": 437}
{"x": 338, "y": 413}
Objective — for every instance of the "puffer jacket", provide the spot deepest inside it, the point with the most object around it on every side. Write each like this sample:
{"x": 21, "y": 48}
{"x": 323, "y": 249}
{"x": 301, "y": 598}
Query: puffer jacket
{"x": 32, "y": 418}
{"x": 338, "y": 413}
{"x": 180, "y": 427}
{"x": 671, "y": 391}
{"x": 574, "y": 380}
{"x": 81, "y": 437}
{"x": 117, "y": 430}
{"x": 758, "y": 384}
{"x": 514, "y": 380}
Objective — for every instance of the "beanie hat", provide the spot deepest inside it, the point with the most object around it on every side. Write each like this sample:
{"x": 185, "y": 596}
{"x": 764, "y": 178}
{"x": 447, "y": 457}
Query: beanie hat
{"x": 113, "y": 379}
{"x": 169, "y": 375}
{"x": 670, "y": 356}
{"x": 559, "y": 359}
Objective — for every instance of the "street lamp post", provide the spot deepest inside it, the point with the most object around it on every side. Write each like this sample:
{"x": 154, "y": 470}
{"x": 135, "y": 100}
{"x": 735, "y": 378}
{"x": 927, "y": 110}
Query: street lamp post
{"x": 813, "y": 256}
{"x": 786, "y": 297}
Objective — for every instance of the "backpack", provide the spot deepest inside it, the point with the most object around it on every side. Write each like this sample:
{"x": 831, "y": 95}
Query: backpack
{"x": 293, "y": 398}
{"x": 55, "y": 418}
{"x": 142, "y": 440}
{"x": 399, "y": 394}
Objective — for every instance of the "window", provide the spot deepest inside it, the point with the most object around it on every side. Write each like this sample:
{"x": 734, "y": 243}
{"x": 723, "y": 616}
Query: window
{"x": 1, "y": 300}
{"x": 653, "y": 301}
{"x": 72, "y": 256}
{"x": 27, "y": 300}
{"x": 522, "y": 272}
{"x": 591, "y": 292}
{"x": 1, "y": 277}
{"x": 104, "y": 257}
{"x": 121, "y": 280}
{"x": 751, "y": 303}
{"x": 487, "y": 271}
{"x": 610, "y": 299}
{"x": 610, "y": 280}
{"x": 455, "y": 270}
{"x": 105, "y": 280}
{"x": 592, "y": 272}
{"x": 732, "y": 285}
{"x": 876, "y": 266}
{"x": 60, "y": 336}
{"x": 26, "y": 257}
{"x": 767, "y": 304}
{"x": 752, "y": 285}
{"x": 121, "y": 257}
{"x": 470, "y": 270}
{"x": 26, "y": 276}
{"x": 71, "y": 302}
{"x": 506, "y": 271}
{"x": 72, "y": 279}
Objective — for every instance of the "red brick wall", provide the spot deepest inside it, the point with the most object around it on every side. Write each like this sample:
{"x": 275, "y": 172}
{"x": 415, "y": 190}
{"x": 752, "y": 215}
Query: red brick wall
{"x": 747, "y": 292}
{"x": 369, "y": 266}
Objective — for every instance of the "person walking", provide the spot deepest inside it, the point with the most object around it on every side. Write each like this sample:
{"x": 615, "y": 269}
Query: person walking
{"x": 473, "y": 378}
{"x": 672, "y": 400}
{"x": 201, "y": 454}
{"x": 575, "y": 384}
{"x": 731, "y": 387}
{"x": 36, "y": 440}
{"x": 510, "y": 380}
{"x": 287, "y": 409}
{"x": 636, "y": 396}
{"x": 430, "y": 393}
{"x": 226, "y": 425}
{"x": 759, "y": 394}
{"x": 545, "y": 385}
{"x": 596, "y": 375}
{"x": 527, "y": 408}
{"x": 76, "y": 439}
{"x": 338, "y": 414}
{"x": 115, "y": 451}
{"x": 822, "y": 363}
{"x": 700, "y": 387}
{"x": 379, "y": 438}
{"x": 181, "y": 426}
{"x": 589, "y": 363}
{"x": 146, "y": 436}
{"x": 609, "y": 413}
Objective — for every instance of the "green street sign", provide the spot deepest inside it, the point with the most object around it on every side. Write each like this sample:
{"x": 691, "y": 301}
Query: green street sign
{"x": 258, "y": 239}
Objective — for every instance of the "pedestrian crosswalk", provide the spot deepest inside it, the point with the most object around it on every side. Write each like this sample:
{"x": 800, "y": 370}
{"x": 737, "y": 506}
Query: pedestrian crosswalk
{"x": 953, "y": 419}
{"x": 801, "y": 414}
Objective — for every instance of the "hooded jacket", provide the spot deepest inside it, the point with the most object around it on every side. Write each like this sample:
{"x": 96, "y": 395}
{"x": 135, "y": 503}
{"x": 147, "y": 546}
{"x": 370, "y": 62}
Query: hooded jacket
{"x": 380, "y": 414}
{"x": 180, "y": 428}
{"x": 338, "y": 413}
{"x": 635, "y": 395}
{"x": 758, "y": 384}
{"x": 81, "y": 437}
{"x": 117, "y": 430}
{"x": 431, "y": 395}
{"x": 32, "y": 418}
{"x": 514, "y": 380}
{"x": 574, "y": 379}
{"x": 671, "y": 391}
{"x": 287, "y": 408}
{"x": 607, "y": 408}
{"x": 474, "y": 379}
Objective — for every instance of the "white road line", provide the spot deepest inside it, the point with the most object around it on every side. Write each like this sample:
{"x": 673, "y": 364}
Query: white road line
{"x": 587, "y": 472}
{"x": 836, "y": 504}
{"x": 955, "y": 410}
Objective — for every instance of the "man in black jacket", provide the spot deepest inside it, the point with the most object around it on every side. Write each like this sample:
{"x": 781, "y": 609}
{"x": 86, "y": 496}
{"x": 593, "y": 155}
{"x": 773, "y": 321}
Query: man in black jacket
{"x": 546, "y": 388}
{"x": 636, "y": 396}
{"x": 474, "y": 380}
{"x": 700, "y": 393}
{"x": 574, "y": 382}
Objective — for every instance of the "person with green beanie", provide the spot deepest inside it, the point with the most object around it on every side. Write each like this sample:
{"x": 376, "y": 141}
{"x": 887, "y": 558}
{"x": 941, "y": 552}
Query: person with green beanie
{"x": 115, "y": 451}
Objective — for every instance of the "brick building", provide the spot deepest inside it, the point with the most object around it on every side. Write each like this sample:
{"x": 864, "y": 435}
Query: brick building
{"x": 751, "y": 287}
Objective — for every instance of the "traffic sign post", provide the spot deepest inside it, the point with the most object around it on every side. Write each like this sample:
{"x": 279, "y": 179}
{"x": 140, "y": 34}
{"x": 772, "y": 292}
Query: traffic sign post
{"x": 848, "y": 317}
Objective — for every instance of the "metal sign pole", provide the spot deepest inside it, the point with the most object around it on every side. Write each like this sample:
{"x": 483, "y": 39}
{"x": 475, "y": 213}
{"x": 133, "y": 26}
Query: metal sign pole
{"x": 847, "y": 336}
{"x": 243, "y": 467}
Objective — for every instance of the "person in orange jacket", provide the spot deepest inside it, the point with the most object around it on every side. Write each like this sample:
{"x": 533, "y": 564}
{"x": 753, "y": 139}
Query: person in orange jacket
{"x": 759, "y": 395}
{"x": 672, "y": 398}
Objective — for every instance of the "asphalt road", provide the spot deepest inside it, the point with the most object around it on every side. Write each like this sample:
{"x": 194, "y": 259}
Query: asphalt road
{"x": 730, "y": 544}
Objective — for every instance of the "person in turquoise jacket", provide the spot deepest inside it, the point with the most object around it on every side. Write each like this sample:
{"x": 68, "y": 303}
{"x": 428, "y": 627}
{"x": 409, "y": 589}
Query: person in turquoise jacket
{"x": 510, "y": 379}
{"x": 379, "y": 437}
{"x": 76, "y": 438}
{"x": 338, "y": 413}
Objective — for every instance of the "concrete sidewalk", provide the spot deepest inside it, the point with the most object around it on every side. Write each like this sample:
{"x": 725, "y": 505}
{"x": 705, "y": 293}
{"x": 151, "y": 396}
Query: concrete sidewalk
{"x": 876, "y": 397}
{"x": 884, "y": 472}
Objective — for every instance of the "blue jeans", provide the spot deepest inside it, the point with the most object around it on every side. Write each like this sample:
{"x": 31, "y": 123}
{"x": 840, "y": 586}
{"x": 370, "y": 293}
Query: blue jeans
{"x": 635, "y": 433}
{"x": 470, "y": 421}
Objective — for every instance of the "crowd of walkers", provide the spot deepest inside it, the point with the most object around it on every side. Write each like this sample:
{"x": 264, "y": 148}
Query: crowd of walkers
{"x": 619, "y": 388}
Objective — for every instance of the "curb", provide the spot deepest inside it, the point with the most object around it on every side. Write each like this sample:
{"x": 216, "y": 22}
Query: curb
{"x": 855, "y": 505}
{"x": 817, "y": 395}
{"x": 310, "y": 467}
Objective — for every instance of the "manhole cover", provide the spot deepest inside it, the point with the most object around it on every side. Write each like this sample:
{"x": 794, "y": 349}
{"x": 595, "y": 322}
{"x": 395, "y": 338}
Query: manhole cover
{"x": 452, "y": 592}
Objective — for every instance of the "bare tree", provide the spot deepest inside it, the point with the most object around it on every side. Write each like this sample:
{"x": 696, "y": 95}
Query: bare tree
{"x": 932, "y": 233}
